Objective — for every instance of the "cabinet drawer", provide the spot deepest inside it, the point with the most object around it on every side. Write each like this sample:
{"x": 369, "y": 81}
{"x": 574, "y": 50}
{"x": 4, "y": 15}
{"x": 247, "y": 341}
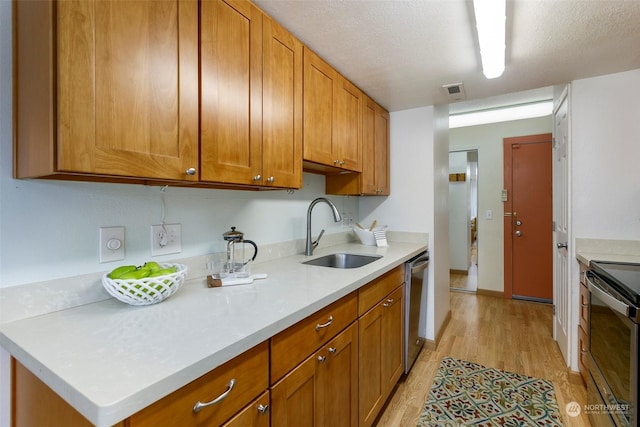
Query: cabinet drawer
{"x": 373, "y": 292}
{"x": 584, "y": 307}
{"x": 583, "y": 355}
{"x": 250, "y": 373}
{"x": 583, "y": 270}
{"x": 291, "y": 346}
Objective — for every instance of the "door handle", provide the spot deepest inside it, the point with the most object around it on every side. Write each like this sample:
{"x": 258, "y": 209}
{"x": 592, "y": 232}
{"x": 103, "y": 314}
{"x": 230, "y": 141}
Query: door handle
{"x": 518, "y": 233}
{"x": 563, "y": 245}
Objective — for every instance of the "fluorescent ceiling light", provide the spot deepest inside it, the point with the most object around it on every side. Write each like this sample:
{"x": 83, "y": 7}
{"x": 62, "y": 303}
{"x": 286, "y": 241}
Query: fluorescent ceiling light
{"x": 519, "y": 112}
{"x": 490, "y": 23}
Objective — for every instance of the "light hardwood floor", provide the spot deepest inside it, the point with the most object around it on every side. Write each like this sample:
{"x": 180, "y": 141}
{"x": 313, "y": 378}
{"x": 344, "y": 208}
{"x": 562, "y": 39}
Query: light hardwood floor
{"x": 510, "y": 335}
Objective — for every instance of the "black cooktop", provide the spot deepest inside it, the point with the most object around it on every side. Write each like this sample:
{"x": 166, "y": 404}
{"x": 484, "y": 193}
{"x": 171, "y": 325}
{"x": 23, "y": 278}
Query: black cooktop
{"x": 622, "y": 276}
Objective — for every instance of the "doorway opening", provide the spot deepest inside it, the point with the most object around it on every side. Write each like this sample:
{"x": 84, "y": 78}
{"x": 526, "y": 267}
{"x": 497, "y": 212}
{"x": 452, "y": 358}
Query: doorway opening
{"x": 463, "y": 220}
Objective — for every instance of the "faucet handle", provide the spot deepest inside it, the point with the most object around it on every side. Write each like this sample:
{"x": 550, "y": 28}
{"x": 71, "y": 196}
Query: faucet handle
{"x": 318, "y": 239}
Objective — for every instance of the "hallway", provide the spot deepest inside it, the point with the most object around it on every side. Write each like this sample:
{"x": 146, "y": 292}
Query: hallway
{"x": 466, "y": 282}
{"x": 510, "y": 335}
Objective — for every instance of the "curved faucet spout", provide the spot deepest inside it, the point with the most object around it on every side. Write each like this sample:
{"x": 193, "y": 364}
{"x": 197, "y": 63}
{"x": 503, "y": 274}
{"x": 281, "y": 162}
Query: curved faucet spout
{"x": 310, "y": 246}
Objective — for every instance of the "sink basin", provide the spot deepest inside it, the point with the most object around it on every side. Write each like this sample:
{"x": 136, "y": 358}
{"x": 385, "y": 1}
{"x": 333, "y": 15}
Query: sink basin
{"x": 343, "y": 260}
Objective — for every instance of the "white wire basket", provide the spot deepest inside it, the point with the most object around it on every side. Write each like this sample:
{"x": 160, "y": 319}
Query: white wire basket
{"x": 148, "y": 290}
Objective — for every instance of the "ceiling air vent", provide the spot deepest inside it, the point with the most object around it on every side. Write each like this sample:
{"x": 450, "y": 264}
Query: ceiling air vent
{"x": 455, "y": 91}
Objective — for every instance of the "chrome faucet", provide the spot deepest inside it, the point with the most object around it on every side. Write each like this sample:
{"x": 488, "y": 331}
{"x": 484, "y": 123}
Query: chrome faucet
{"x": 310, "y": 246}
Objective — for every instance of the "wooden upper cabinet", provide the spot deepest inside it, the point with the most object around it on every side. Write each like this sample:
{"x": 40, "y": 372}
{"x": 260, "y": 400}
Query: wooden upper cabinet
{"x": 251, "y": 97}
{"x": 231, "y": 92}
{"x": 281, "y": 107}
{"x": 374, "y": 179}
{"x": 115, "y": 94}
{"x": 348, "y": 125}
{"x": 319, "y": 103}
{"x": 381, "y": 183}
{"x": 332, "y": 116}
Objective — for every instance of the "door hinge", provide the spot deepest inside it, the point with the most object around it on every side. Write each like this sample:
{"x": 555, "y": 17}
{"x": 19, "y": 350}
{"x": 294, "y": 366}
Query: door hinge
{"x": 553, "y": 226}
{"x": 554, "y": 309}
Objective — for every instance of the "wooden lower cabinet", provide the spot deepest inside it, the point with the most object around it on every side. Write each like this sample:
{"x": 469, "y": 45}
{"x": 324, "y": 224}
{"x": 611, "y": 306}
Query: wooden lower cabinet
{"x": 323, "y": 389}
{"x": 380, "y": 354}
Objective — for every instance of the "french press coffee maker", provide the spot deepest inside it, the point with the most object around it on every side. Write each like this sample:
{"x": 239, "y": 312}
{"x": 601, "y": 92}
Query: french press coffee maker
{"x": 236, "y": 258}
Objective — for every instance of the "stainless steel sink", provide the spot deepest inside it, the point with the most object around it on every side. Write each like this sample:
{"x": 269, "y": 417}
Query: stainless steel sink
{"x": 343, "y": 260}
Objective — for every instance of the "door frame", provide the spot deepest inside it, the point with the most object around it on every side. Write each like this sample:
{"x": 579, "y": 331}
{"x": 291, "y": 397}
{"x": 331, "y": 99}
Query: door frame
{"x": 508, "y": 205}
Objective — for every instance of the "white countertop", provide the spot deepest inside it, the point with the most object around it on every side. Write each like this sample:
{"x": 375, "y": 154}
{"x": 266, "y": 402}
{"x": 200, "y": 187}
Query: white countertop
{"x": 588, "y": 250}
{"x": 109, "y": 360}
{"x": 587, "y": 257}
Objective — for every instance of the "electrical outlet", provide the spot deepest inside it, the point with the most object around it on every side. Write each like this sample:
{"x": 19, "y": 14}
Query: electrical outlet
{"x": 166, "y": 239}
{"x": 111, "y": 247}
{"x": 347, "y": 220}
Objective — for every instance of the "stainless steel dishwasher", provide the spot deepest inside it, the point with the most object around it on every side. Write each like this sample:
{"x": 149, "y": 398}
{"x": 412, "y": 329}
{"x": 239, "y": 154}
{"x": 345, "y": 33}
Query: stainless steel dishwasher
{"x": 416, "y": 273}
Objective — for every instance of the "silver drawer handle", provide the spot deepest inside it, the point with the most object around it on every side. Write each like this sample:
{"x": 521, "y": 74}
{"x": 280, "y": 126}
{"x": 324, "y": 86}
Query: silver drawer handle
{"x": 322, "y": 359}
{"x": 388, "y": 303}
{"x": 263, "y": 409}
{"x": 333, "y": 350}
{"x": 199, "y": 405}
{"x": 324, "y": 325}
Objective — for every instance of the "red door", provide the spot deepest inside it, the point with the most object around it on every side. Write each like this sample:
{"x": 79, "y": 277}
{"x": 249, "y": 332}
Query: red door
{"x": 528, "y": 222}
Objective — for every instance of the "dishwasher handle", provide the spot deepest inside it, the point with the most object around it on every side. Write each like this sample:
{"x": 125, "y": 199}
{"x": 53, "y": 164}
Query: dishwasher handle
{"x": 419, "y": 264}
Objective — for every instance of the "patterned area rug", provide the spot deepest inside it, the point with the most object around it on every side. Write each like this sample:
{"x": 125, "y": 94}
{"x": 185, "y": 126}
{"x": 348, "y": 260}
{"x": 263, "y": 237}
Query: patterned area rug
{"x": 468, "y": 394}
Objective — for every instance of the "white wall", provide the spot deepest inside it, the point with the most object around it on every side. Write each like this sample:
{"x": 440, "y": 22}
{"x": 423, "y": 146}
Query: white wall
{"x": 419, "y": 196}
{"x": 487, "y": 139}
{"x": 49, "y": 229}
{"x": 605, "y": 156}
{"x": 605, "y": 129}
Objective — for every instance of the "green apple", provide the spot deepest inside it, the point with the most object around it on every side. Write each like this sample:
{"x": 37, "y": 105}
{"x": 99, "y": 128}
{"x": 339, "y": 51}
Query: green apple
{"x": 153, "y": 266}
{"x": 119, "y": 271}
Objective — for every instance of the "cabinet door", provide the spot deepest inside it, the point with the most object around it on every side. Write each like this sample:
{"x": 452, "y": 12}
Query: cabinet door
{"x": 282, "y": 108}
{"x": 368, "y": 176}
{"x": 380, "y": 354}
{"x": 231, "y": 91}
{"x": 370, "y": 376}
{"x": 127, "y": 88}
{"x": 338, "y": 380}
{"x": 393, "y": 336}
{"x": 382, "y": 130}
{"x": 294, "y": 398}
{"x": 347, "y": 134}
{"x": 319, "y": 105}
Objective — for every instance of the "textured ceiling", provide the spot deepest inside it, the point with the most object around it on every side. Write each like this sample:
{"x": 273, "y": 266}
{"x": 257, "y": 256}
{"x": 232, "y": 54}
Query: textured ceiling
{"x": 401, "y": 52}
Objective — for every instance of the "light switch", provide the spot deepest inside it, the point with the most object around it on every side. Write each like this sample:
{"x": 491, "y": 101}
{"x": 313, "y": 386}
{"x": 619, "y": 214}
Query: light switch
{"x": 488, "y": 214}
{"x": 111, "y": 246}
